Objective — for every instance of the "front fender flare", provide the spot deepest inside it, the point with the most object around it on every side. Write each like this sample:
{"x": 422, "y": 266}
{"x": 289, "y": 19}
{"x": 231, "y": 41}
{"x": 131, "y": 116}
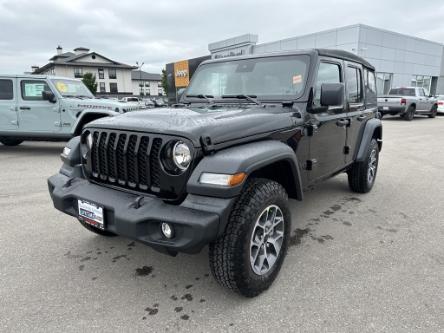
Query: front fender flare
{"x": 93, "y": 115}
{"x": 247, "y": 158}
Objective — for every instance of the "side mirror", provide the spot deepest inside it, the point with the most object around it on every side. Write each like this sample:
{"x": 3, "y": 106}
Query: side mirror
{"x": 332, "y": 94}
{"x": 48, "y": 96}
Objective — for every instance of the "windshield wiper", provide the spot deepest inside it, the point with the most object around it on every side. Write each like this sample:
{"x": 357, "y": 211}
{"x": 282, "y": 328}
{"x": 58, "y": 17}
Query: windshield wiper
{"x": 209, "y": 98}
{"x": 71, "y": 96}
{"x": 251, "y": 98}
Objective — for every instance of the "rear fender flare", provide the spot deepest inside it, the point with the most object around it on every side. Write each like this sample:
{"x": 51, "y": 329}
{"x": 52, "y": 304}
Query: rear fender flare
{"x": 372, "y": 130}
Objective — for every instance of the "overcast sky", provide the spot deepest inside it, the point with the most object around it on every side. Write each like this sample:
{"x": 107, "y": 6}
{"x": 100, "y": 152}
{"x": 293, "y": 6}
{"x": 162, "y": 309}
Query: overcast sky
{"x": 162, "y": 31}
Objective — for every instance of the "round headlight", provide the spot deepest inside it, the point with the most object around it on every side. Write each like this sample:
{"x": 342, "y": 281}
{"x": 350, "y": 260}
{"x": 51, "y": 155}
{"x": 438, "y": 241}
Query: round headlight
{"x": 181, "y": 155}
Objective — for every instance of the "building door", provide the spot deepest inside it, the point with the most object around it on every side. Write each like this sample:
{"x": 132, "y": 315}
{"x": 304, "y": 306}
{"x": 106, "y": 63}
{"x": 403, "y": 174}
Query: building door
{"x": 8, "y": 106}
{"x": 329, "y": 133}
{"x": 36, "y": 114}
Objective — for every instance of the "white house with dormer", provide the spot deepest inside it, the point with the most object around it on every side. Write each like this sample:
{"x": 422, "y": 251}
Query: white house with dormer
{"x": 113, "y": 78}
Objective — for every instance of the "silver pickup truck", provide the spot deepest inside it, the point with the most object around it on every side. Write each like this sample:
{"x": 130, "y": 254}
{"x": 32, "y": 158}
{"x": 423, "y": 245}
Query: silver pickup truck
{"x": 38, "y": 107}
{"x": 407, "y": 102}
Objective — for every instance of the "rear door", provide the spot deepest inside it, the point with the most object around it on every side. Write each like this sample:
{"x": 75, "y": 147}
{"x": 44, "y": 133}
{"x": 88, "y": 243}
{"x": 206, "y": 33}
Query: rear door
{"x": 329, "y": 128}
{"x": 358, "y": 111}
{"x": 36, "y": 114}
{"x": 422, "y": 102}
{"x": 8, "y": 107}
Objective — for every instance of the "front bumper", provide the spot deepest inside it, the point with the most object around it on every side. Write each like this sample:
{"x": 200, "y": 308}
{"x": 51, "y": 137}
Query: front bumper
{"x": 196, "y": 222}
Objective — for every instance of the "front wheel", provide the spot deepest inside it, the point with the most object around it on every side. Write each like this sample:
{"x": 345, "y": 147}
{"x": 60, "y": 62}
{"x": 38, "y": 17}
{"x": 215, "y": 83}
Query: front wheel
{"x": 10, "y": 142}
{"x": 362, "y": 175}
{"x": 248, "y": 256}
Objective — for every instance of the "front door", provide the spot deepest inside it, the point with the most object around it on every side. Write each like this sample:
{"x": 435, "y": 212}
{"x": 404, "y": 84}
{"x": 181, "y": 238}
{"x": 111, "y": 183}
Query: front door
{"x": 329, "y": 128}
{"x": 8, "y": 111}
{"x": 35, "y": 114}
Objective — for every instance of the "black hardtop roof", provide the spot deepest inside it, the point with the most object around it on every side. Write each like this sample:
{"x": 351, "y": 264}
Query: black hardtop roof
{"x": 341, "y": 54}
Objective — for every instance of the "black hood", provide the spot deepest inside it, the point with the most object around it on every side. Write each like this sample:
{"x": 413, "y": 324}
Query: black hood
{"x": 220, "y": 124}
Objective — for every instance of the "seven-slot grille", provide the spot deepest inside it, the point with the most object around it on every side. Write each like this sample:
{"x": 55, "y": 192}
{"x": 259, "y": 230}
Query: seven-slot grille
{"x": 126, "y": 159}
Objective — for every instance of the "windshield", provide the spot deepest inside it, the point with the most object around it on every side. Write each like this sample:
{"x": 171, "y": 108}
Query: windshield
{"x": 267, "y": 78}
{"x": 71, "y": 88}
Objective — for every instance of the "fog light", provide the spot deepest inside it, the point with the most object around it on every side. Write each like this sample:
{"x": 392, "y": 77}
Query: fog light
{"x": 167, "y": 230}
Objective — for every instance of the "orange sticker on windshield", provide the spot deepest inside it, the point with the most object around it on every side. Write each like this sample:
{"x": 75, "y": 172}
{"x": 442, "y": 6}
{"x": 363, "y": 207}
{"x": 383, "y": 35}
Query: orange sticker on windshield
{"x": 297, "y": 79}
{"x": 61, "y": 87}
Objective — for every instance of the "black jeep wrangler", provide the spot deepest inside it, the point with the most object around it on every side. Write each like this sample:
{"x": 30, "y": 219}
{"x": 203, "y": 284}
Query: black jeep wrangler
{"x": 218, "y": 168}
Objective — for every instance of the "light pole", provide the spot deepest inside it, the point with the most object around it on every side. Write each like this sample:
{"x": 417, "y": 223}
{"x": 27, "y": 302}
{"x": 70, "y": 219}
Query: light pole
{"x": 140, "y": 76}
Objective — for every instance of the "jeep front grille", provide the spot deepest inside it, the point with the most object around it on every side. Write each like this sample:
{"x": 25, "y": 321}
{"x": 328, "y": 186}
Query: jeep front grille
{"x": 128, "y": 160}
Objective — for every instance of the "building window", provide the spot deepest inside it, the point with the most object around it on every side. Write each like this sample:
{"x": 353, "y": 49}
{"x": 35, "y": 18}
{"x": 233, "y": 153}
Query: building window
{"x": 112, "y": 73}
{"x": 6, "y": 90}
{"x": 32, "y": 90}
{"x": 101, "y": 73}
{"x": 113, "y": 88}
{"x": 102, "y": 87}
{"x": 422, "y": 81}
{"x": 354, "y": 86}
{"x": 78, "y": 72}
{"x": 383, "y": 83}
{"x": 147, "y": 84}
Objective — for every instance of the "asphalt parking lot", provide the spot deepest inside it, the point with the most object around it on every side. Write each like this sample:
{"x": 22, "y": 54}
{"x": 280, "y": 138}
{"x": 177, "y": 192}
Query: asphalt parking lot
{"x": 357, "y": 263}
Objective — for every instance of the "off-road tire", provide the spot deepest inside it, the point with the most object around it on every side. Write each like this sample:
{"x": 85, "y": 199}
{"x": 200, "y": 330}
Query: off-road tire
{"x": 358, "y": 180}
{"x": 433, "y": 111}
{"x": 10, "y": 142}
{"x": 98, "y": 231}
{"x": 410, "y": 114}
{"x": 229, "y": 255}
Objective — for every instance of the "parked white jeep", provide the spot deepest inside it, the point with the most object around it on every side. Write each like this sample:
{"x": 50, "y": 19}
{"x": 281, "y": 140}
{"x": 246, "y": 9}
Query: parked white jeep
{"x": 34, "y": 107}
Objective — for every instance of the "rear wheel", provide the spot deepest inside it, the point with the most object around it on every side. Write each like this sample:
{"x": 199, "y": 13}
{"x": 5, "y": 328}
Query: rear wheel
{"x": 362, "y": 175}
{"x": 248, "y": 256}
{"x": 410, "y": 114}
{"x": 11, "y": 142}
{"x": 433, "y": 111}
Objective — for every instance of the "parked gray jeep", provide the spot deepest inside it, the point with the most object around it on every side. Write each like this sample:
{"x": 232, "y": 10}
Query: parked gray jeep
{"x": 34, "y": 107}
{"x": 218, "y": 168}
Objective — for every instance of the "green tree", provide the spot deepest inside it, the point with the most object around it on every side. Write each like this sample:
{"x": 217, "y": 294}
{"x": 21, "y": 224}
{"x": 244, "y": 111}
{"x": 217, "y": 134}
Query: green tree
{"x": 164, "y": 82}
{"x": 89, "y": 79}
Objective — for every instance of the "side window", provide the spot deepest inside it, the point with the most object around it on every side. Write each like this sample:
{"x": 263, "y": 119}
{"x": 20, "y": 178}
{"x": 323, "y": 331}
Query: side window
{"x": 32, "y": 89}
{"x": 421, "y": 92}
{"x": 370, "y": 86}
{"x": 327, "y": 73}
{"x": 354, "y": 87}
{"x": 6, "y": 90}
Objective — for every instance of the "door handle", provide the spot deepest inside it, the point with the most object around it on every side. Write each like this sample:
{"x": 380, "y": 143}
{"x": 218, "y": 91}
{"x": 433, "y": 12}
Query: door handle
{"x": 343, "y": 122}
{"x": 362, "y": 117}
{"x": 25, "y": 108}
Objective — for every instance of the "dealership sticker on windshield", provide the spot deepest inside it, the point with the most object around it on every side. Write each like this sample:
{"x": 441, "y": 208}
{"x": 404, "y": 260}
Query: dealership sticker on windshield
{"x": 91, "y": 213}
{"x": 297, "y": 79}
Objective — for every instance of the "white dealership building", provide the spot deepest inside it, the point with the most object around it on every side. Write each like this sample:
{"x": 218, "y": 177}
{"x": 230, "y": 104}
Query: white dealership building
{"x": 400, "y": 60}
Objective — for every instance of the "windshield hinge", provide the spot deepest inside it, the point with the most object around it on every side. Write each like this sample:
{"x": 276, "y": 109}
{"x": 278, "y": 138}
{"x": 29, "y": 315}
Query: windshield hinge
{"x": 207, "y": 144}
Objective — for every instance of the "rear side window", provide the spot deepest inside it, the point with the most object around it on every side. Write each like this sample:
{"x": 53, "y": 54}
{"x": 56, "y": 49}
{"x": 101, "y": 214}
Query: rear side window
{"x": 370, "y": 86}
{"x": 421, "y": 92}
{"x": 402, "y": 91}
{"x": 354, "y": 85}
{"x": 6, "y": 90}
{"x": 32, "y": 90}
{"x": 327, "y": 73}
